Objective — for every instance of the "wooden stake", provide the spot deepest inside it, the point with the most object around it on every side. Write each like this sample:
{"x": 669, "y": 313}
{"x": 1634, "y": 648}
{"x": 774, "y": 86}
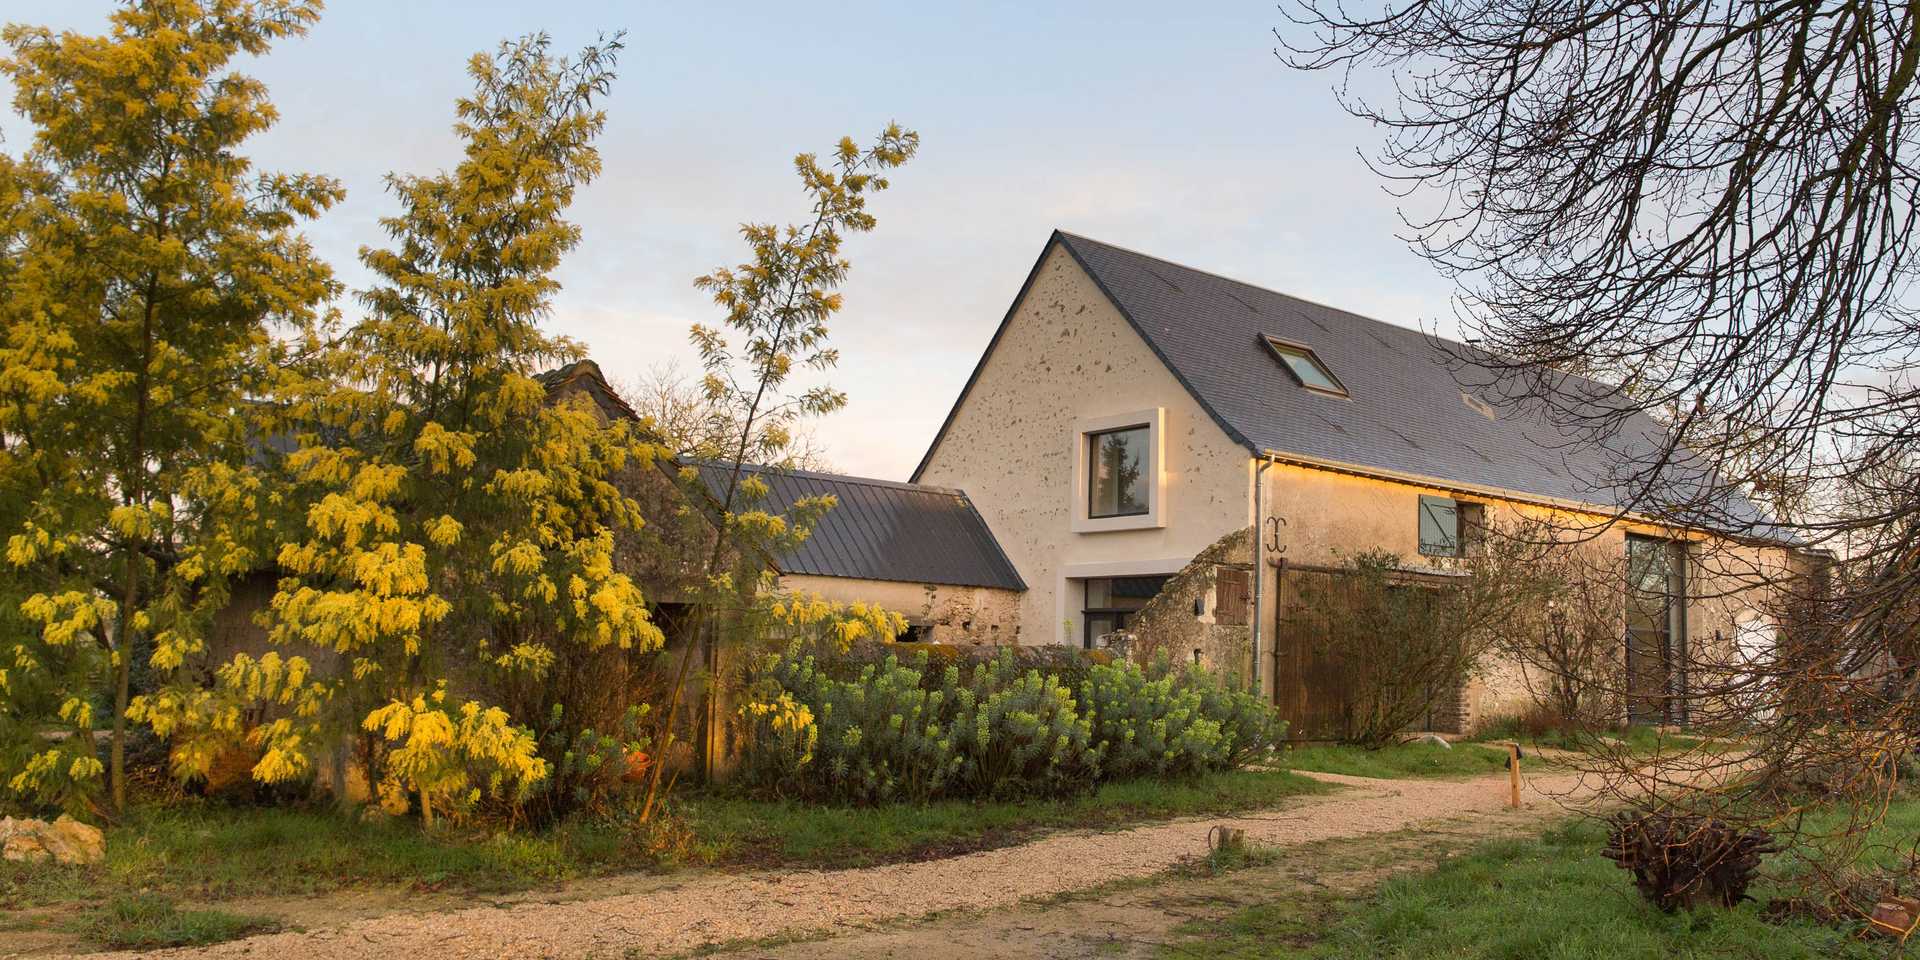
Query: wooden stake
{"x": 1513, "y": 774}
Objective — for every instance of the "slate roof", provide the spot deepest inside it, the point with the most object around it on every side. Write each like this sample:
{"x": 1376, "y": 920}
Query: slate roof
{"x": 882, "y": 530}
{"x": 1406, "y": 413}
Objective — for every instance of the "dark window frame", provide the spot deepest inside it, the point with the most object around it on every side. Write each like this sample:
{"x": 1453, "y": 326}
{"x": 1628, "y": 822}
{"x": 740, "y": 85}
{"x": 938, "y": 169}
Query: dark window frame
{"x": 1670, "y": 637}
{"x": 1120, "y": 615}
{"x": 1093, "y": 473}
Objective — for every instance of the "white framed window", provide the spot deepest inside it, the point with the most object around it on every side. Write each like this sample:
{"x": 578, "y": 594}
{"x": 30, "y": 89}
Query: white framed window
{"x": 1119, "y": 474}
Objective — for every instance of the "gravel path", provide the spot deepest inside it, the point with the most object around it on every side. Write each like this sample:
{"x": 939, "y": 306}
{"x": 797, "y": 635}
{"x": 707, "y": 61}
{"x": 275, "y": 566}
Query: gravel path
{"x": 678, "y": 917}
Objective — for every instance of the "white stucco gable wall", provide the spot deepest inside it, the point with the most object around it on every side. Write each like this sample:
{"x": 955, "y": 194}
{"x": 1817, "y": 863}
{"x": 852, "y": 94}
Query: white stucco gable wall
{"x": 1067, "y": 358}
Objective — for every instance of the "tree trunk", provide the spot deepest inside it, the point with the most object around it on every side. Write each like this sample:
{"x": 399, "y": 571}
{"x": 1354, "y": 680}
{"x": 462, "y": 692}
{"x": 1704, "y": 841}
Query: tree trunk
{"x": 660, "y": 752}
{"x": 122, "y": 690}
{"x": 135, "y": 491}
{"x": 337, "y": 775}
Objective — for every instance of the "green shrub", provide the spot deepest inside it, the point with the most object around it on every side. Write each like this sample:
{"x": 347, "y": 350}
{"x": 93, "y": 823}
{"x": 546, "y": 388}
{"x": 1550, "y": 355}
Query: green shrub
{"x": 1151, "y": 725}
{"x": 1252, "y": 729}
{"x": 1068, "y": 664}
{"x": 986, "y": 728}
{"x": 881, "y": 737}
{"x": 586, "y": 767}
{"x": 1021, "y": 733}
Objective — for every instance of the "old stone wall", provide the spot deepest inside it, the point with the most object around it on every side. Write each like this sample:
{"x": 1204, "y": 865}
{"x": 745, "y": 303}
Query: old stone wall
{"x": 942, "y": 613}
{"x": 1199, "y": 616}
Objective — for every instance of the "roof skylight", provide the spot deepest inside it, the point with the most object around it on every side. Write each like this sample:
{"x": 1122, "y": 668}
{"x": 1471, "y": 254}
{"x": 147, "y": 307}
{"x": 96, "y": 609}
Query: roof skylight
{"x": 1305, "y": 365}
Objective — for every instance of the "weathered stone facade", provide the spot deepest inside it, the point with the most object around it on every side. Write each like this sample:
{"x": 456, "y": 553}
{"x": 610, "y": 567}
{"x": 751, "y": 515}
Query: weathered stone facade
{"x": 1068, "y": 355}
{"x": 942, "y": 613}
{"x": 1200, "y": 616}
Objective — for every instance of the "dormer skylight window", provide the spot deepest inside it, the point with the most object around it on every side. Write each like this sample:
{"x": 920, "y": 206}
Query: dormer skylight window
{"x": 1305, "y": 365}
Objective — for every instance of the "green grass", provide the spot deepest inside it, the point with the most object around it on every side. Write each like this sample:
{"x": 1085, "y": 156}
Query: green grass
{"x": 807, "y": 835}
{"x": 1548, "y": 897}
{"x": 1399, "y": 761}
{"x": 1637, "y": 740}
{"x": 209, "y": 852}
{"x": 149, "y": 921}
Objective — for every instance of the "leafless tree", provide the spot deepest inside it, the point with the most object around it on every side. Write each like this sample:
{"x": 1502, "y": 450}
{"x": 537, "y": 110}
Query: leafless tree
{"x": 693, "y": 426}
{"x": 1682, "y": 232}
{"x": 1564, "y": 637}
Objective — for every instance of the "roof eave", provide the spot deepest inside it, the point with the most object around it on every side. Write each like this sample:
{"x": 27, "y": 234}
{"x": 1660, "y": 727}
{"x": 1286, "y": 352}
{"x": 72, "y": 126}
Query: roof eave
{"x": 1502, "y": 493}
{"x": 926, "y": 581}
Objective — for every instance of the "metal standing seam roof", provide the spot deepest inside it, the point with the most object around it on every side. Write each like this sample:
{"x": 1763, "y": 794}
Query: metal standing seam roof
{"x": 882, "y": 530}
{"x": 1407, "y": 412}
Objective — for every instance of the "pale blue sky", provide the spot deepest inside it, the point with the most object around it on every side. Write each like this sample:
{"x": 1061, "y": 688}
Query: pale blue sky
{"x": 1171, "y": 129}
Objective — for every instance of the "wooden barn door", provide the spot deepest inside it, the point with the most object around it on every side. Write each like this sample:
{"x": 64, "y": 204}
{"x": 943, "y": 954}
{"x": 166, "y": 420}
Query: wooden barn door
{"x": 1309, "y": 689}
{"x": 1313, "y": 690}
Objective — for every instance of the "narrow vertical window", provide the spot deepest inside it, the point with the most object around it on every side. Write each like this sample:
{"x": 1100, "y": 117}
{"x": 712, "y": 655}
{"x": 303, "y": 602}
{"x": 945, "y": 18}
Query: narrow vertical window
{"x": 1656, "y": 630}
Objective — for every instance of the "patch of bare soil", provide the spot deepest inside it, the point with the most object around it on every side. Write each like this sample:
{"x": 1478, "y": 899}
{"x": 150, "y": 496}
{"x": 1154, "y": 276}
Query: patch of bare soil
{"x": 674, "y": 915}
{"x": 34, "y": 932}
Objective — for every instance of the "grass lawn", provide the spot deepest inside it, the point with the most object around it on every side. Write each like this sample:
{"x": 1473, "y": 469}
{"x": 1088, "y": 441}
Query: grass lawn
{"x": 149, "y": 921}
{"x": 1637, "y": 740}
{"x": 1552, "y": 896}
{"x": 1399, "y": 761}
{"x": 213, "y": 852}
{"x": 807, "y": 835}
{"x": 201, "y": 853}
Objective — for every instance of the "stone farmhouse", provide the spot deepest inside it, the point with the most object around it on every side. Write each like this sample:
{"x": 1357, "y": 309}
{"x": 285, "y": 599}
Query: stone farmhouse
{"x": 1154, "y": 453}
{"x": 1157, "y": 455}
{"x": 1131, "y": 414}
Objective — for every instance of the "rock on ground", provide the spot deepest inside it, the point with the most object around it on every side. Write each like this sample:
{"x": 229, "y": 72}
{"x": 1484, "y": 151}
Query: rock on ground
{"x": 65, "y": 840}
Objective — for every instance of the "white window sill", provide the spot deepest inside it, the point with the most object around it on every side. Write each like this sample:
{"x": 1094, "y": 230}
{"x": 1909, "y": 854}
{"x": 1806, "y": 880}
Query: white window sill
{"x": 1140, "y": 521}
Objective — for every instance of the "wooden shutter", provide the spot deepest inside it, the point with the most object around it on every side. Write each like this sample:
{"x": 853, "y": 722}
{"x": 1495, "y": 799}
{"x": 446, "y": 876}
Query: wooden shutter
{"x": 1231, "y": 592}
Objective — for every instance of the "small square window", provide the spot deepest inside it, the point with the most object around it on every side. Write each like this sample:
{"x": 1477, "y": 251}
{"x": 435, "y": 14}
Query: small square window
{"x": 1117, "y": 475}
{"x": 1306, "y": 367}
{"x": 1116, "y": 472}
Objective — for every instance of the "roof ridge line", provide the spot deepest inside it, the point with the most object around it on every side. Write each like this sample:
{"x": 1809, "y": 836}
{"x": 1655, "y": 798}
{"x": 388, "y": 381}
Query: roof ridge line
{"x": 839, "y": 477}
{"x": 1278, "y": 293}
{"x": 1461, "y": 345}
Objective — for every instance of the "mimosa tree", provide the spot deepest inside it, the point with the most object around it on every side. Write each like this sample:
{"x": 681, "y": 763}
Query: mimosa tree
{"x": 777, "y": 305}
{"x": 459, "y": 528}
{"x": 146, "y": 265}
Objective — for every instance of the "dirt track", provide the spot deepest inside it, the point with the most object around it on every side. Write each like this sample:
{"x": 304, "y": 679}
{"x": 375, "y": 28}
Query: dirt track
{"x": 674, "y": 917}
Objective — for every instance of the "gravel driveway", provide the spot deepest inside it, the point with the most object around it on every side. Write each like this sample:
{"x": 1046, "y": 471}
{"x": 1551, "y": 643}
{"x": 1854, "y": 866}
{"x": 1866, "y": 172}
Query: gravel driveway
{"x": 678, "y": 917}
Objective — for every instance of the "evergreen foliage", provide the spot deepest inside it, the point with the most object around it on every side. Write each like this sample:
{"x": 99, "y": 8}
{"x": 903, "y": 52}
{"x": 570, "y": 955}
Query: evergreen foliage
{"x": 895, "y": 731}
